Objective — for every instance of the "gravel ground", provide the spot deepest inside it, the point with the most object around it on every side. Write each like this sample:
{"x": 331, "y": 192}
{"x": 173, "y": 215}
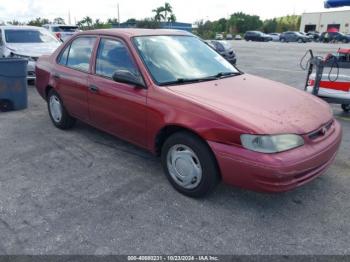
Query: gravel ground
{"x": 85, "y": 192}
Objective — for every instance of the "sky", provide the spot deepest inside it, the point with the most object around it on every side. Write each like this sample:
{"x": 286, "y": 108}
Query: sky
{"x": 185, "y": 11}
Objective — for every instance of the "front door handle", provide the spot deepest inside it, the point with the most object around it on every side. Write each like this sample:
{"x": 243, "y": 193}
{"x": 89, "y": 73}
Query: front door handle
{"x": 93, "y": 88}
{"x": 56, "y": 76}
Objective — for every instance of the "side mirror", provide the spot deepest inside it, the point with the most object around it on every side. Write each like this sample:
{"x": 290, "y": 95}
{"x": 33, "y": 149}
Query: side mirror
{"x": 125, "y": 76}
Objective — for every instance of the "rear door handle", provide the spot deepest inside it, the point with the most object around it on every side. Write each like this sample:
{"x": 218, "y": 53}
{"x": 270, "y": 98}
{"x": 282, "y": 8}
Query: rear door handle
{"x": 93, "y": 89}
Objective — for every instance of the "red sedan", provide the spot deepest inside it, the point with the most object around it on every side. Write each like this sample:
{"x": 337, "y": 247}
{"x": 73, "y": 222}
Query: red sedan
{"x": 170, "y": 93}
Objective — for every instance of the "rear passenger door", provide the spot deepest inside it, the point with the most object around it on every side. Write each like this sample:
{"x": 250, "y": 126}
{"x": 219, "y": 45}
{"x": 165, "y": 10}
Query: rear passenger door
{"x": 71, "y": 76}
{"x": 117, "y": 108}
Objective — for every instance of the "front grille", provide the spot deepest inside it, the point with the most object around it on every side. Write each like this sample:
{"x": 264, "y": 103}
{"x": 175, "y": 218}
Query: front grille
{"x": 321, "y": 131}
{"x": 31, "y": 73}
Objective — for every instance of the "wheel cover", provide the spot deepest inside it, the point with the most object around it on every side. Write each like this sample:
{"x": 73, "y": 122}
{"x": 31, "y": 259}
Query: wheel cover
{"x": 55, "y": 108}
{"x": 184, "y": 166}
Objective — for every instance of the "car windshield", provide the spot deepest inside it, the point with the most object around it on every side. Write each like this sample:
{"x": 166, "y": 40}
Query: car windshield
{"x": 181, "y": 59}
{"x": 65, "y": 29}
{"x": 29, "y": 36}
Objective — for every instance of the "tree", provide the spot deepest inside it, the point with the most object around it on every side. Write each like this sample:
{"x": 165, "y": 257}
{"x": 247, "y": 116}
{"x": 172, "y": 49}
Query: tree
{"x": 162, "y": 13}
{"x": 148, "y": 23}
{"x": 172, "y": 18}
{"x": 159, "y": 14}
{"x": 59, "y": 20}
{"x": 270, "y": 26}
{"x": 39, "y": 22}
{"x": 85, "y": 23}
{"x": 167, "y": 10}
{"x": 15, "y": 22}
{"x": 241, "y": 22}
{"x": 112, "y": 21}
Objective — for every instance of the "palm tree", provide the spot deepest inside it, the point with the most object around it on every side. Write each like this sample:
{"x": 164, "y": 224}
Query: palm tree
{"x": 159, "y": 14}
{"x": 172, "y": 18}
{"x": 167, "y": 9}
{"x": 88, "y": 21}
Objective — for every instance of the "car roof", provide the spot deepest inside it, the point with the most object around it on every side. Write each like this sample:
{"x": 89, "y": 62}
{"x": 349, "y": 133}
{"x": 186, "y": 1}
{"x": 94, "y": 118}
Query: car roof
{"x": 21, "y": 27}
{"x": 60, "y": 25}
{"x": 132, "y": 32}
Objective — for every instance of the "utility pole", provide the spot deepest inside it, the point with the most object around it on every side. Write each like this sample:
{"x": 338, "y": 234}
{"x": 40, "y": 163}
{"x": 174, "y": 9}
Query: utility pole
{"x": 118, "y": 14}
{"x": 69, "y": 18}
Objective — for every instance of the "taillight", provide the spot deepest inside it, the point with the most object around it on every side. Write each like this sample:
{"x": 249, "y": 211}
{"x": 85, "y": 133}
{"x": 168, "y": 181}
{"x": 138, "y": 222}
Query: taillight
{"x": 311, "y": 82}
{"x": 58, "y": 35}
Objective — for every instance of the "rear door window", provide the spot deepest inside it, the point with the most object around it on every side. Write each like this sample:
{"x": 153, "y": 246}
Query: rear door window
{"x": 79, "y": 54}
{"x": 64, "y": 56}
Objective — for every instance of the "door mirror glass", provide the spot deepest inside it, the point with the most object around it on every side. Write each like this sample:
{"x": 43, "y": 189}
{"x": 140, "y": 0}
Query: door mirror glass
{"x": 125, "y": 76}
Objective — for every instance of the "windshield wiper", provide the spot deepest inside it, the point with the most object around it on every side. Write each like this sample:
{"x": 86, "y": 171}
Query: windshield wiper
{"x": 202, "y": 79}
{"x": 226, "y": 74}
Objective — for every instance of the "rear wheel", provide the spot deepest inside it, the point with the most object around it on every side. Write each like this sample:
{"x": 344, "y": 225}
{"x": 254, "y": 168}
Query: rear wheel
{"x": 283, "y": 40}
{"x": 345, "y": 41}
{"x": 189, "y": 165}
{"x": 346, "y": 107}
{"x": 58, "y": 114}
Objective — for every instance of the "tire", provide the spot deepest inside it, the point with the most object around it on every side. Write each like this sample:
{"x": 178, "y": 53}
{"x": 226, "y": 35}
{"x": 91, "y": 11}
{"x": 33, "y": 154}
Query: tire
{"x": 192, "y": 154}
{"x": 300, "y": 40}
{"x": 58, "y": 114}
{"x": 346, "y": 107}
{"x": 283, "y": 40}
{"x": 345, "y": 41}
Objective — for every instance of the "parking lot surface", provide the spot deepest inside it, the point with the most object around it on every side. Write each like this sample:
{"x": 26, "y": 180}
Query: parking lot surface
{"x": 85, "y": 192}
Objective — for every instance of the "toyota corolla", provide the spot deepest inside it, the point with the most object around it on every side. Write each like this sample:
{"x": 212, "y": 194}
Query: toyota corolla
{"x": 168, "y": 92}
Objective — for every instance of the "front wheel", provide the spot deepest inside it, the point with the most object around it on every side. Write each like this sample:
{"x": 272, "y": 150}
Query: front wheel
{"x": 58, "y": 114}
{"x": 346, "y": 107}
{"x": 300, "y": 40}
{"x": 189, "y": 165}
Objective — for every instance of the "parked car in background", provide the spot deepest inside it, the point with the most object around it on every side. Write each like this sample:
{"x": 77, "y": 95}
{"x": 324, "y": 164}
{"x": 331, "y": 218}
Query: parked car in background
{"x": 291, "y": 36}
{"x": 313, "y": 35}
{"x": 219, "y": 37}
{"x": 328, "y": 37}
{"x": 257, "y": 36}
{"x": 311, "y": 38}
{"x": 229, "y": 37}
{"x": 275, "y": 37}
{"x": 225, "y": 49}
{"x": 27, "y": 42}
{"x": 62, "y": 32}
{"x": 238, "y": 37}
{"x": 168, "y": 92}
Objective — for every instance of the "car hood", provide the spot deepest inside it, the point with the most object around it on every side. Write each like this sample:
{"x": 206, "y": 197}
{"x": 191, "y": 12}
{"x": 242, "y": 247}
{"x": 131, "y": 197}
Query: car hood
{"x": 33, "y": 49}
{"x": 261, "y": 105}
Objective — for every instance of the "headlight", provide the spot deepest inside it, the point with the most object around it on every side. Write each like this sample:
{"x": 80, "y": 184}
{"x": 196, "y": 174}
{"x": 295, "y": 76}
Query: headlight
{"x": 22, "y": 56}
{"x": 271, "y": 144}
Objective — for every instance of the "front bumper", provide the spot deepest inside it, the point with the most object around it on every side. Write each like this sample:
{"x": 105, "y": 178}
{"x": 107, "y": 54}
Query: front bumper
{"x": 277, "y": 172}
{"x": 31, "y": 70}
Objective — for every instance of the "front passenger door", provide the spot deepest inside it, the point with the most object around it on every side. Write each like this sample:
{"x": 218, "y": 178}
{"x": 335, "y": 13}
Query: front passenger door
{"x": 115, "y": 107}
